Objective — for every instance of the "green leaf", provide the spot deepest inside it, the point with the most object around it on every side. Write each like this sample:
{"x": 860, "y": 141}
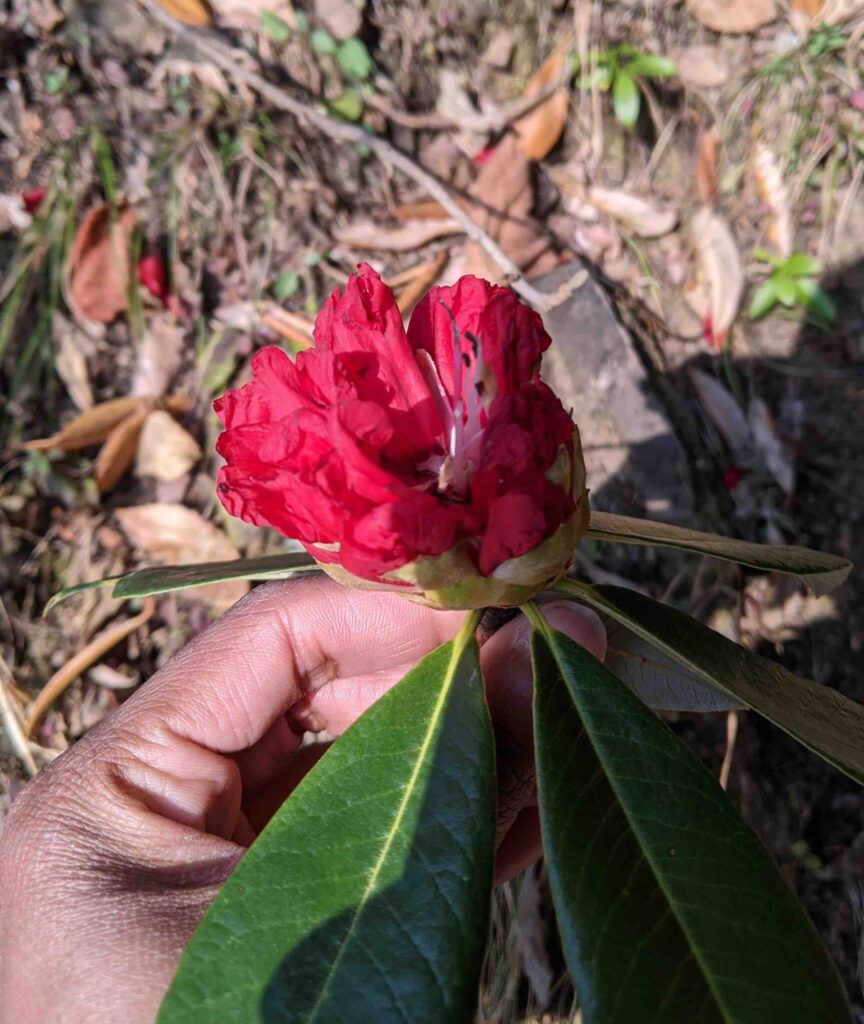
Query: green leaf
{"x": 275, "y": 27}
{"x": 286, "y": 285}
{"x": 164, "y": 578}
{"x": 323, "y": 42}
{"x": 821, "y": 572}
{"x": 652, "y": 65}
{"x": 354, "y": 59}
{"x": 784, "y": 288}
{"x": 348, "y": 105}
{"x": 602, "y": 77}
{"x": 658, "y": 680}
{"x": 625, "y": 99}
{"x": 763, "y": 301}
{"x": 816, "y": 300}
{"x": 825, "y": 721}
{"x": 669, "y": 907}
{"x": 366, "y": 898}
{"x": 800, "y": 264}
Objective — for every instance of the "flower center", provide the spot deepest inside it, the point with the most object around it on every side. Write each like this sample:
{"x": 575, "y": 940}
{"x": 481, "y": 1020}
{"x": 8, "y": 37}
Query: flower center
{"x": 462, "y": 416}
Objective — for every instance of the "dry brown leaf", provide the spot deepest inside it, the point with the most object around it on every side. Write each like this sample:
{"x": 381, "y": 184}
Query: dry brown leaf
{"x": 98, "y": 271}
{"x": 247, "y": 13}
{"x": 158, "y": 357}
{"x": 366, "y": 234}
{"x": 812, "y": 8}
{"x": 645, "y": 217}
{"x": 734, "y": 16}
{"x": 429, "y": 209}
{"x": 541, "y": 128}
{"x": 704, "y": 66}
{"x": 706, "y": 165}
{"x": 774, "y": 452}
{"x": 190, "y": 12}
{"x": 719, "y": 267}
{"x": 425, "y": 276}
{"x": 505, "y": 197}
{"x": 774, "y": 194}
{"x": 171, "y": 534}
{"x": 165, "y": 450}
{"x": 726, "y": 414}
{"x": 118, "y": 453}
{"x": 72, "y": 346}
{"x": 92, "y": 426}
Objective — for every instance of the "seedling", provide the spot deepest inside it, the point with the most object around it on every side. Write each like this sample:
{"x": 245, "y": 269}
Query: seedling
{"x": 793, "y": 282}
{"x": 620, "y": 70}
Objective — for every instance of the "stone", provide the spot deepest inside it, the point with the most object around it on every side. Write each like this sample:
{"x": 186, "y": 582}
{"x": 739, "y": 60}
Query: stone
{"x": 635, "y": 462}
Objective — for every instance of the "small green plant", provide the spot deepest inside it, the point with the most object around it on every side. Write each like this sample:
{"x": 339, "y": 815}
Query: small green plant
{"x": 620, "y": 70}
{"x": 825, "y": 39}
{"x": 792, "y": 282}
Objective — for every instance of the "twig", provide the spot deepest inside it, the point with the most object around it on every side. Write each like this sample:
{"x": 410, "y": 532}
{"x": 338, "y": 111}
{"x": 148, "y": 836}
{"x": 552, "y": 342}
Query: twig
{"x": 493, "y": 121}
{"x": 12, "y": 724}
{"x": 87, "y": 656}
{"x": 731, "y": 736}
{"x": 230, "y": 60}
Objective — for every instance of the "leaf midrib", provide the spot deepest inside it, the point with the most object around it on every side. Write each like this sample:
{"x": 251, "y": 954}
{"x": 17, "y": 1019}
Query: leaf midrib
{"x": 459, "y": 645}
{"x": 543, "y": 627}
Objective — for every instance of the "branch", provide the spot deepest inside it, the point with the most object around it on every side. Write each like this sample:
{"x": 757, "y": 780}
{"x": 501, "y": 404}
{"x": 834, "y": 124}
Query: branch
{"x": 231, "y": 61}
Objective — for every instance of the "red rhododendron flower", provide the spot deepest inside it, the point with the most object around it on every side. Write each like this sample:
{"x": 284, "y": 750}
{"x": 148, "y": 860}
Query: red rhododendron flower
{"x": 434, "y": 460}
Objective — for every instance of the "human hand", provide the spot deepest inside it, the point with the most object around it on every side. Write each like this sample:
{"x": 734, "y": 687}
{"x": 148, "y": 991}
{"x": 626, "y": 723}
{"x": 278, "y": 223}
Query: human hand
{"x": 112, "y": 856}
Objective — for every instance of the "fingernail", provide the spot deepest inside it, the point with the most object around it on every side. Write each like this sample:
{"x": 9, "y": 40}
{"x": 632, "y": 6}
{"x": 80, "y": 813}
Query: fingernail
{"x": 581, "y": 624}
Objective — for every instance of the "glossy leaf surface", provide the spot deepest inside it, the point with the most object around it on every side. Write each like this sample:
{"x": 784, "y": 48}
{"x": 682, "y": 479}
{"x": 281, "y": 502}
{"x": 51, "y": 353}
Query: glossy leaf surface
{"x": 366, "y": 898}
{"x": 670, "y": 908}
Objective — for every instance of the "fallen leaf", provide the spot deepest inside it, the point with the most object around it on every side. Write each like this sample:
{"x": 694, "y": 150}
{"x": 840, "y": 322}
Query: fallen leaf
{"x": 812, "y": 8}
{"x": 726, "y": 414}
{"x": 341, "y": 18}
{"x": 504, "y": 193}
{"x": 72, "y": 346}
{"x": 247, "y": 13}
{"x": 165, "y": 450}
{"x": 774, "y": 452}
{"x": 190, "y": 12}
{"x": 172, "y": 534}
{"x": 703, "y": 66}
{"x": 429, "y": 209}
{"x": 456, "y": 105}
{"x": 426, "y": 275}
{"x": 366, "y": 234}
{"x": 643, "y": 216}
{"x": 92, "y": 427}
{"x": 775, "y": 196}
{"x": 44, "y": 14}
{"x": 733, "y": 16}
{"x": 98, "y": 271}
{"x": 541, "y": 128}
{"x": 718, "y": 264}
{"x": 116, "y": 456}
{"x": 159, "y": 354}
{"x": 499, "y": 49}
{"x": 706, "y": 165}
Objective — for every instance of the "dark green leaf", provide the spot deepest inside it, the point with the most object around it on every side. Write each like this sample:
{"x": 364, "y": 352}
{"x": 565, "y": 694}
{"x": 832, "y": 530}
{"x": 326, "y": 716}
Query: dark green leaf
{"x": 658, "y": 680}
{"x": 625, "y": 99}
{"x": 670, "y": 909}
{"x": 354, "y": 59}
{"x": 763, "y": 301}
{"x": 366, "y": 898}
{"x": 800, "y": 264}
{"x": 652, "y": 65}
{"x": 820, "y": 571}
{"x": 822, "y": 719}
{"x": 79, "y": 588}
{"x": 275, "y": 27}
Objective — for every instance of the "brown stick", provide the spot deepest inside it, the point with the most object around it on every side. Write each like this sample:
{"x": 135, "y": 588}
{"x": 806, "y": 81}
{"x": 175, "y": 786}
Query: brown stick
{"x": 231, "y": 61}
{"x": 87, "y": 656}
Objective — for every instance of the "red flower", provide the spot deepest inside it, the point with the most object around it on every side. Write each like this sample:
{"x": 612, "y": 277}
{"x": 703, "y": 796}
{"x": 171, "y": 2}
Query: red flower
{"x": 432, "y": 459}
{"x": 32, "y": 200}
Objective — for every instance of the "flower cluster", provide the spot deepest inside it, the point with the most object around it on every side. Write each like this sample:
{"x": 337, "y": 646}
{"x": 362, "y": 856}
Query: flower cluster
{"x": 433, "y": 460}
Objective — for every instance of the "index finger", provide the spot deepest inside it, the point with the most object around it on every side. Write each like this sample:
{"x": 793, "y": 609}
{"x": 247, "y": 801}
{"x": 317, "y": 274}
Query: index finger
{"x": 226, "y": 688}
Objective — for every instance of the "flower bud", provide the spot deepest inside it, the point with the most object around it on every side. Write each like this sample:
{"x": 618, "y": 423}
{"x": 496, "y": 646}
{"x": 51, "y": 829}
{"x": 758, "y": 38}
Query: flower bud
{"x": 433, "y": 462}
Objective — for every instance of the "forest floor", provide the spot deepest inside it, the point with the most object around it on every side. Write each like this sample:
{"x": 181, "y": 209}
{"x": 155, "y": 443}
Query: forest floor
{"x": 161, "y": 219}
